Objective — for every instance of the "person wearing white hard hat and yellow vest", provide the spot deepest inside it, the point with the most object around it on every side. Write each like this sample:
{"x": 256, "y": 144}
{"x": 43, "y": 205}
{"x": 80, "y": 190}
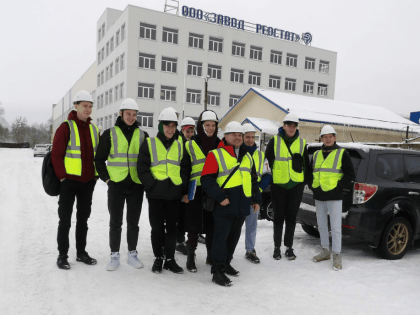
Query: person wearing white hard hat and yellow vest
{"x": 288, "y": 158}
{"x": 72, "y": 156}
{"x": 116, "y": 162}
{"x": 163, "y": 170}
{"x": 229, "y": 166}
{"x": 332, "y": 172}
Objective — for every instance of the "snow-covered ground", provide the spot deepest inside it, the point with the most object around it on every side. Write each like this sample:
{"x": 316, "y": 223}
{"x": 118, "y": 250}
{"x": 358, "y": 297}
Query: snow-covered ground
{"x": 31, "y": 283}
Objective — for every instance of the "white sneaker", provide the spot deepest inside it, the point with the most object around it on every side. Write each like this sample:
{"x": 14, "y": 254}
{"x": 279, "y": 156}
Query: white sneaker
{"x": 114, "y": 263}
{"x": 133, "y": 260}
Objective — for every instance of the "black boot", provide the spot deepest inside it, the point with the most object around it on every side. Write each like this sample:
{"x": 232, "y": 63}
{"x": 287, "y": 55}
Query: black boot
{"x": 229, "y": 270}
{"x": 191, "y": 259}
{"x": 221, "y": 279}
{"x": 86, "y": 259}
{"x": 171, "y": 265}
{"x": 180, "y": 247}
{"x": 157, "y": 265}
{"x": 62, "y": 262}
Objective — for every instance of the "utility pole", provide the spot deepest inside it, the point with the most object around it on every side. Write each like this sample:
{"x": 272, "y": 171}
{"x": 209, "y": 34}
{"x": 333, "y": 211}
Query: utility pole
{"x": 206, "y": 79}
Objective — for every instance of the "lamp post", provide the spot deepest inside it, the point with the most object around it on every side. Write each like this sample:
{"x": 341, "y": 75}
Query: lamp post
{"x": 206, "y": 79}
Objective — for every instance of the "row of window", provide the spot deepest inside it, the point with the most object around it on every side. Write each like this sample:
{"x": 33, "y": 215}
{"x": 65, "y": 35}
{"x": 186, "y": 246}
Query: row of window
{"x": 108, "y": 72}
{"x": 148, "y": 31}
{"x": 110, "y": 96}
{"x": 109, "y": 47}
{"x": 144, "y": 120}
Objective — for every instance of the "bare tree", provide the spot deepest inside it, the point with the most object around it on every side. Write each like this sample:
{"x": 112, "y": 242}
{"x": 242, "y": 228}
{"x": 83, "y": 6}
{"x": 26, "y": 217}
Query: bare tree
{"x": 19, "y": 129}
{"x": 4, "y": 133}
{"x": 3, "y": 121}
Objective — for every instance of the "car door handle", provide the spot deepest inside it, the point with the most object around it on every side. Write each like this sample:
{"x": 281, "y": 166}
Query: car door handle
{"x": 413, "y": 193}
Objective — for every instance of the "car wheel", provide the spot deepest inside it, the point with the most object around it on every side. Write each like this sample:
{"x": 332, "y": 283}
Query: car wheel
{"x": 396, "y": 239}
{"x": 267, "y": 210}
{"x": 311, "y": 230}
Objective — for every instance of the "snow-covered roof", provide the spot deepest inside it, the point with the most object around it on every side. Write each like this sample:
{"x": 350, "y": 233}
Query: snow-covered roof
{"x": 356, "y": 145}
{"x": 270, "y": 127}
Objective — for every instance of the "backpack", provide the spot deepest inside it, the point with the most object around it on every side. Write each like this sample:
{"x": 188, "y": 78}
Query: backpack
{"x": 50, "y": 180}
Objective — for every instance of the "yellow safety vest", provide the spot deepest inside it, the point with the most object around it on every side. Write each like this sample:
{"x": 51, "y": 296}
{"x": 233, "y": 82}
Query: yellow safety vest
{"x": 197, "y": 160}
{"x": 122, "y": 158}
{"x": 327, "y": 172}
{"x": 259, "y": 158}
{"x": 165, "y": 163}
{"x": 227, "y": 163}
{"x": 282, "y": 167}
{"x": 73, "y": 157}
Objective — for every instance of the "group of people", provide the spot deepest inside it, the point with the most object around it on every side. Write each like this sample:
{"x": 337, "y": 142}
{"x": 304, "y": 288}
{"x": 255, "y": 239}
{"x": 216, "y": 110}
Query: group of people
{"x": 195, "y": 183}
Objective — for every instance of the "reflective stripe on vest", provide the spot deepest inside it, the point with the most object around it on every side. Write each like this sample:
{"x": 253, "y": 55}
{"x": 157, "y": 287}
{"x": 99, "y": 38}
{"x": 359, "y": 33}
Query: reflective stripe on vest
{"x": 122, "y": 158}
{"x": 73, "y": 157}
{"x": 258, "y": 158}
{"x": 282, "y": 167}
{"x": 165, "y": 163}
{"x": 327, "y": 172}
{"x": 227, "y": 163}
{"x": 197, "y": 160}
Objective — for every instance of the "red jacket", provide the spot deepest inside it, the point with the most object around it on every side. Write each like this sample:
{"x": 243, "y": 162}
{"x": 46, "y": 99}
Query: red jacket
{"x": 61, "y": 139}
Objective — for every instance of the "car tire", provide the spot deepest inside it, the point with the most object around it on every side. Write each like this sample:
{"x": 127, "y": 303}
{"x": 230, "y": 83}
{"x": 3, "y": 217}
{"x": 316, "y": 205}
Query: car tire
{"x": 267, "y": 210}
{"x": 310, "y": 230}
{"x": 396, "y": 239}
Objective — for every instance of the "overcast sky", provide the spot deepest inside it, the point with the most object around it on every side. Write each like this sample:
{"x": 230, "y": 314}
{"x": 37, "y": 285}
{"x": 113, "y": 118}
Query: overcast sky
{"x": 47, "y": 45}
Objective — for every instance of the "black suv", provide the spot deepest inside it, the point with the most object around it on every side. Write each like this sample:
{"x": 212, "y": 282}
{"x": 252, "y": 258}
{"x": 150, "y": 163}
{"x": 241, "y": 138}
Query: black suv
{"x": 382, "y": 206}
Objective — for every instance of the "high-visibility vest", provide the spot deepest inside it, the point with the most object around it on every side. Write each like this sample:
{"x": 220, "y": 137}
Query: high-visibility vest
{"x": 227, "y": 163}
{"x": 282, "y": 167}
{"x": 197, "y": 160}
{"x": 165, "y": 163}
{"x": 327, "y": 172}
{"x": 122, "y": 159}
{"x": 259, "y": 158}
{"x": 73, "y": 157}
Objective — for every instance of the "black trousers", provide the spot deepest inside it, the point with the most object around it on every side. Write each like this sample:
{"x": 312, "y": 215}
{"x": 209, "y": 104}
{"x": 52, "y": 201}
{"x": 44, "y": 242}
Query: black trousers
{"x": 193, "y": 240}
{"x": 161, "y": 211}
{"x": 180, "y": 228}
{"x": 118, "y": 195}
{"x": 69, "y": 191}
{"x": 227, "y": 231}
{"x": 286, "y": 204}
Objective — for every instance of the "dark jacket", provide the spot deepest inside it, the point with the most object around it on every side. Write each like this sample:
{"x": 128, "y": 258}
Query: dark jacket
{"x": 348, "y": 172}
{"x": 104, "y": 148}
{"x": 161, "y": 189}
{"x": 239, "y": 204}
{"x": 61, "y": 139}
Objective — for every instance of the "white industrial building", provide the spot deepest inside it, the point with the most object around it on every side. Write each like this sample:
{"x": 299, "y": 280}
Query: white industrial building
{"x": 160, "y": 59}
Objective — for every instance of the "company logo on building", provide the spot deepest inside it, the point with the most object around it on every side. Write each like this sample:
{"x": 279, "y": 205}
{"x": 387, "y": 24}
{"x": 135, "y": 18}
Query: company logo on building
{"x": 228, "y": 21}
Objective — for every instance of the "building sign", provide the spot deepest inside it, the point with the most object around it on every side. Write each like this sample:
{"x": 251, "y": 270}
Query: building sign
{"x": 228, "y": 21}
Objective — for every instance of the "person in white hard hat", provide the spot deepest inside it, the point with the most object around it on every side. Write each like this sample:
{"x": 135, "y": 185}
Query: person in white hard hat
{"x": 72, "y": 156}
{"x": 332, "y": 172}
{"x": 119, "y": 147}
{"x": 163, "y": 170}
{"x": 230, "y": 178}
{"x": 188, "y": 128}
{"x": 288, "y": 158}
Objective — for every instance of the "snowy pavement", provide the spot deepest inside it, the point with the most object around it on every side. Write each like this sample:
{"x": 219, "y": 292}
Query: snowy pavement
{"x": 31, "y": 283}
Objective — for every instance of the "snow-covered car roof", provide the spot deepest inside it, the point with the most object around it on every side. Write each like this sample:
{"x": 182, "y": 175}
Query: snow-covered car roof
{"x": 360, "y": 146}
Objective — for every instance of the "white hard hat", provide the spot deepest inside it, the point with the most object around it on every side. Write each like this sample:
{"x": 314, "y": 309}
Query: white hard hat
{"x": 174, "y": 110}
{"x": 129, "y": 103}
{"x": 188, "y": 121}
{"x": 291, "y": 117}
{"x": 326, "y": 130}
{"x": 234, "y": 126}
{"x": 209, "y": 115}
{"x": 248, "y": 128}
{"x": 82, "y": 96}
{"x": 168, "y": 114}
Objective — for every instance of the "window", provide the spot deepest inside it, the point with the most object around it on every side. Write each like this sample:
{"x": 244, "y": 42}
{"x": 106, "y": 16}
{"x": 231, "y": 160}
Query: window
{"x": 106, "y": 122}
{"x": 170, "y": 35}
{"x": 103, "y": 30}
{"x": 98, "y": 101}
{"x": 324, "y": 66}
{"x": 111, "y": 98}
{"x": 121, "y": 90}
{"x": 103, "y": 53}
{"x": 216, "y": 44}
{"x": 145, "y": 119}
{"x": 308, "y": 87}
{"x": 117, "y": 36}
{"x": 99, "y": 80}
{"x": 111, "y": 70}
{"x": 233, "y": 99}
{"x": 106, "y": 98}
{"x": 107, "y": 74}
{"x": 195, "y": 68}
{"x": 254, "y": 78}
{"x": 99, "y": 35}
{"x": 102, "y": 100}
{"x": 117, "y": 65}
{"x": 274, "y": 82}
{"x": 146, "y": 61}
{"x": 193, "y": 96}
{"x": 147, "y": 31}
{"x": 122, "y": 32}
{"x": 309, "y": 63}
{"x": 169, "y": 64}
{"x": 122, "y": 62}
{"x": 110, "y": 121}
{"x": 238, "y": 49}
{"x": 322, "y": 89}
{"x": 107, "y": 49}
{"x": 168, "y": 93}
{"x": 237, "y": 75}
{"x": 413, "y": 168}
{"x": 255, "y": 53}
{"x": 213, "y": 98}
{"x": 115, "y": 116}
{"x": 390, "y": 167}
{"x": 275, "y": 57}
{"x": 102, "y": 77}
{"x": 112, "y": 43}
{"x": 99, "y": 57}
{"x": 195, "y": 40}
{"x": 215, "y": 72}
{"x": 117, "y": 89}
{"x": 146, "y": 90}
{"x": 290, "y": 84}
{"x": 102, "y": 122}
{"x": 291, "y": 60}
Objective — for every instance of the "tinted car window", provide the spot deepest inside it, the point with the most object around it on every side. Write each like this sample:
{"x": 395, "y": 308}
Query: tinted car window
{"x": 355, "y": 159}
{"x": 390, "y": 167}
{"x": 413, "y": 168}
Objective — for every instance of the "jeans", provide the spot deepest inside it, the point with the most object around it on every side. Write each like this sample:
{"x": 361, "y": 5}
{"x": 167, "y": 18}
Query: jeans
{"x": 251, "y": 223}
{"x": 334, "y": 209}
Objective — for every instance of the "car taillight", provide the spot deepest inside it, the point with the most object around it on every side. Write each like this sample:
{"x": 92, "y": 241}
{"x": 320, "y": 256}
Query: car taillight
{"x": 363, "y": 192}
